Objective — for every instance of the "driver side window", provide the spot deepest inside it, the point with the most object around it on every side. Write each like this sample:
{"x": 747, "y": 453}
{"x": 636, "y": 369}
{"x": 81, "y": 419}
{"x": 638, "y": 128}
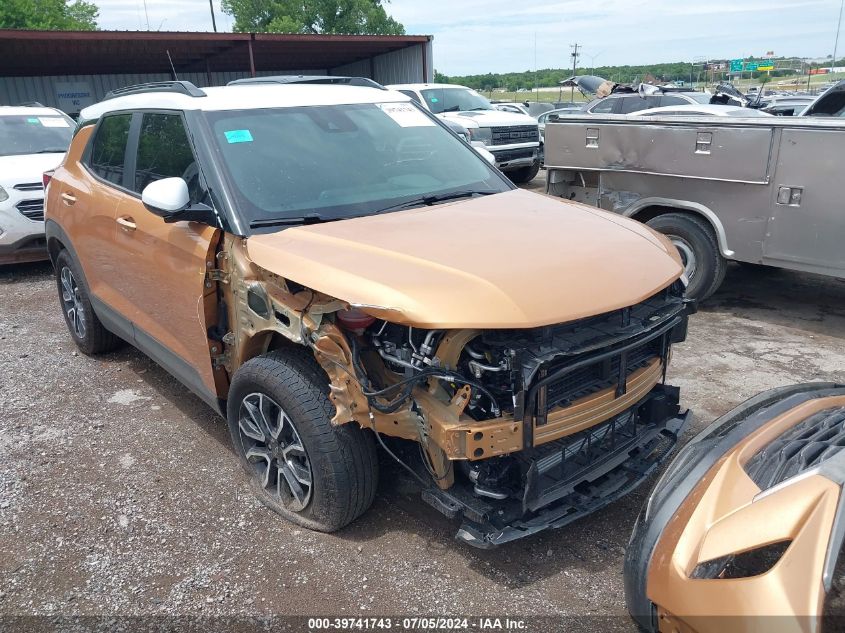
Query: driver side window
{"x": 165, "y": 152}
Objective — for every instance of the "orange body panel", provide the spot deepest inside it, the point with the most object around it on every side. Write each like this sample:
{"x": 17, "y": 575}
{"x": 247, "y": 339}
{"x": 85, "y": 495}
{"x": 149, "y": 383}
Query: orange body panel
{"x": 162, "y": 291}
{"x": 152, "y": 275}
{"x": 477, "y": 263}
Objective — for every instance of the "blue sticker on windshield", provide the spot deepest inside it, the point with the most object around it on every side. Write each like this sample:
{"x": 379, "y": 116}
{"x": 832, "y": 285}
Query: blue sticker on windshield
{"x": 434, "y": 99}
{"x": 239, "y": 136}
{"x": 33, "y": 120}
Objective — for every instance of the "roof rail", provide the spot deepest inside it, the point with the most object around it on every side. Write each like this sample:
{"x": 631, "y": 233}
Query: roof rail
{"x": 309, "y": 79}
{"x": 31, "y": 104}
{"x": 182, "y": 87}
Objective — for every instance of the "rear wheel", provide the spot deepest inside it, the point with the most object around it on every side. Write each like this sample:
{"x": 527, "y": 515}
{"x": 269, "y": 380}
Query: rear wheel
{"x": 85, "y": 328}
{"x": 307, "y": 469}
{"x": 704, "y": 265}
{"x": 524, "y": 174}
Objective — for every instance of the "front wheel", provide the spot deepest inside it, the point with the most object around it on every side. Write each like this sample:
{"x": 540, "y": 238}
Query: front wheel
{"x": 704, "y": 265}
{"x": 312, "y": 472}
{"x": 524, "y": 174}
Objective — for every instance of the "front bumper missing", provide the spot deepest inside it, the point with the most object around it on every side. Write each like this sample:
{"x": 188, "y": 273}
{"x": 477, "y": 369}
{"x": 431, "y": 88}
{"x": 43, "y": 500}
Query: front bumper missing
{"x": 572, "y": 477}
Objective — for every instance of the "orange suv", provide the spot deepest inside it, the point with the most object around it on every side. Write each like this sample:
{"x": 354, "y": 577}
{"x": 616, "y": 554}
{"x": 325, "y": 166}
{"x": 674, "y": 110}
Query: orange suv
{"x": 328, "y": 265}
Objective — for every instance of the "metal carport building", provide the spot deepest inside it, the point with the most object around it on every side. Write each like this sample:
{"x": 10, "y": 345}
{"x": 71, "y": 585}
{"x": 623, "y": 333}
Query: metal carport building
{"x": 71, "y": 69}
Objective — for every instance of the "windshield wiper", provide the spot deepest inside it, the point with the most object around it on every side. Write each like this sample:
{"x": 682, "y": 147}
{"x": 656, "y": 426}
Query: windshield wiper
{"x": 52, "y": 150}
{"x": 311, "y": 218}
{"x": 452, "y": 109}
{"x": 435, "y": 199}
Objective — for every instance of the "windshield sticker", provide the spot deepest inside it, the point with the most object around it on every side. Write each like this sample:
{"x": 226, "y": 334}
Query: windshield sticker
{"x": 53, "y": 121}
{"x": 33, "y": 121}
{"x": 239, "y": 136}
{"x": 405, "y": 114}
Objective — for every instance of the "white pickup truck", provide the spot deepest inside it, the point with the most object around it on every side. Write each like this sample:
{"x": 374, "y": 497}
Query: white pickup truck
{"x": 512, "y": 138}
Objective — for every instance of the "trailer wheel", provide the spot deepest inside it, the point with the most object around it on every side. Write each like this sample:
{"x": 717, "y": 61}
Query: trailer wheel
{"x": 703, "y": 263}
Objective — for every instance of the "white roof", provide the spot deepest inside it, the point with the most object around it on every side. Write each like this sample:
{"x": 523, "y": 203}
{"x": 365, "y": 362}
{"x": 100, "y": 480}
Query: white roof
{"x": 246, "y": 97}
{"x": 27, "y": 110}
{"x": 423, "y": 86}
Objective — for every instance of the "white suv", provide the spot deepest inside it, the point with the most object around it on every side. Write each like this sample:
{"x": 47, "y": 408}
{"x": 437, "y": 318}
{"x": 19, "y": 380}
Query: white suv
{"x": 512, "y": 138}
{"x": 32, "y": 140}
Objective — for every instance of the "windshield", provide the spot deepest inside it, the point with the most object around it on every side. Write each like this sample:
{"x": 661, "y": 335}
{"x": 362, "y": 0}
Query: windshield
{"x": 340, "y": 161}
{"x": 454, "y": 100}
{"x": 30, "y": 134}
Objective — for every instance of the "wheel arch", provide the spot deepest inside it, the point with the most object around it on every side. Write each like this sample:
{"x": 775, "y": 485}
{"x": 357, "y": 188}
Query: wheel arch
{"x": 57, "y": 241}
{"x": 649, "y": 208}
{"x": 263, "y": 341}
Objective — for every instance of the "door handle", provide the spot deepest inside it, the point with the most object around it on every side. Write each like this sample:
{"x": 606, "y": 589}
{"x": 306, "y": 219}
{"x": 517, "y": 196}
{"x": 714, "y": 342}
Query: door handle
{"x": 68, "y": 198}
{"x": 127, "y": 223}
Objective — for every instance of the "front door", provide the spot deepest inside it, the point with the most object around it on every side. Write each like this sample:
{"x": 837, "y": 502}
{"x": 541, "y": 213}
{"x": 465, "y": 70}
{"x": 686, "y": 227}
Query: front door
{"x": 807, "y": 225}
{"x": 163, "y": 290}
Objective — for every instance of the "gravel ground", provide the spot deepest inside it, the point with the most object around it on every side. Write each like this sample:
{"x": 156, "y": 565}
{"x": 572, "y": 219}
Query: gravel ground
{"x": 119, "y": 494}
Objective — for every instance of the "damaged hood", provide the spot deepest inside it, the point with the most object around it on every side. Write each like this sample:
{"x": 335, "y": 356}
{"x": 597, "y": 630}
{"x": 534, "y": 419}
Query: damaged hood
{"x": 590, "y": 84}
{"x": 511, "y": 260}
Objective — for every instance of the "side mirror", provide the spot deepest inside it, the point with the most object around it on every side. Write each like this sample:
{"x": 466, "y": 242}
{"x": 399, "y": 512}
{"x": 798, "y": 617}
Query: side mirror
{"x": 169, "y": 198}
{"x": 166, "y": 196}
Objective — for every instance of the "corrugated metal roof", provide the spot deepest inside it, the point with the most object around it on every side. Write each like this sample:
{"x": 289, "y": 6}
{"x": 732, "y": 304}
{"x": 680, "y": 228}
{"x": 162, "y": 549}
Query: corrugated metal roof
{"x": 39, "y": 53}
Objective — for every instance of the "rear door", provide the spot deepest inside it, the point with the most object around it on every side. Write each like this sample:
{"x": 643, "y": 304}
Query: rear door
{"x": 89, "y": 195}
{"x": 164, "y": 265}
{"x": 807, "y": 223}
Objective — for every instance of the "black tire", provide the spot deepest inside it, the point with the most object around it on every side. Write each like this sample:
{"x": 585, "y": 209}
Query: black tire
{"x": 86, "y": 330}
{"x": 688, "y": 231}
{"x": 524, "y": 174}
{"x": 341, "y": 459}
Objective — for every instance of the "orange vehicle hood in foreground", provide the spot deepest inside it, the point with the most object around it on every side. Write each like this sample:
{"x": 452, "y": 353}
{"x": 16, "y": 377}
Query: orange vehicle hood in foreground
{"x": 510, "y": 260}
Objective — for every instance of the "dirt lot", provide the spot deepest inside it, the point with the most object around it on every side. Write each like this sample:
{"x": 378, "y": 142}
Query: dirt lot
{"x": 119, "y": 494}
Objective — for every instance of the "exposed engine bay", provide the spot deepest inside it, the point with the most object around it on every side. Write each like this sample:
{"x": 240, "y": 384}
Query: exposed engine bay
{"x": 518, "y": 430}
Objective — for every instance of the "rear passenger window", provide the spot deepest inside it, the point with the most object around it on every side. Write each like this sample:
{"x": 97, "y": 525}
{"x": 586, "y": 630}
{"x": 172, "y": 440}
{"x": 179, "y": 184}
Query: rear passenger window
{"x": 666, "y": 100}
{"x": 109, "y": 148}
{"x": 165, "y": 152}
{"x": 604, "y": 107}
{"x": 635, "y": 103}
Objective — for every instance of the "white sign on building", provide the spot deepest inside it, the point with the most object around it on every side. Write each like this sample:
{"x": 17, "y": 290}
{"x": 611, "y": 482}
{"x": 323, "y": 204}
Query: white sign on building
{"x": 74, "y": 95}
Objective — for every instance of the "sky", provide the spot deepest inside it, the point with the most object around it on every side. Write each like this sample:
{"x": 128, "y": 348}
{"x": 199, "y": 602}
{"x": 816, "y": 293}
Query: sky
{"x": 479, "y": 36}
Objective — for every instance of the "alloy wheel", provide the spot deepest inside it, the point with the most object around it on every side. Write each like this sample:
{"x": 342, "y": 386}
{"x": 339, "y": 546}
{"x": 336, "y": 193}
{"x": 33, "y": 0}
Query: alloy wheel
{"x": 273, "y": 447}
{"x": 72, "y": 303}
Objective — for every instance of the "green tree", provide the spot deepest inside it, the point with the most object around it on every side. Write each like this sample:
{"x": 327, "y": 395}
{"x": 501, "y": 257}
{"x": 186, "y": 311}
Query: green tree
{"x": 48, "y": 15}
{"x": 312, "y": 16}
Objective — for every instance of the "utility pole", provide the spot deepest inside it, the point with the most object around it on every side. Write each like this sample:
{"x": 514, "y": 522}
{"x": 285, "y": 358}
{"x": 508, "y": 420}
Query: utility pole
{"x": 574, "y": 54}
{"x": 836, "y": 43}
{"x": 213, "y": 21}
